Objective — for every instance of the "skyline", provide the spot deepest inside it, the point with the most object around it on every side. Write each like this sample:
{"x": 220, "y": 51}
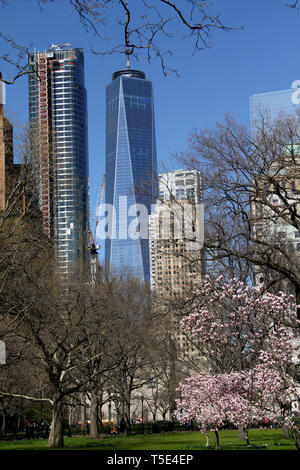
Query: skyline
{"x": 260, "y": 58}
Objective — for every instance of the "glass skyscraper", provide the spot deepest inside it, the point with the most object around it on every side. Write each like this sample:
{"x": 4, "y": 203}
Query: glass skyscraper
{"x": 274, "y": 103}
{"x": 131, "y": 170}
{"x": 58, "y": 125}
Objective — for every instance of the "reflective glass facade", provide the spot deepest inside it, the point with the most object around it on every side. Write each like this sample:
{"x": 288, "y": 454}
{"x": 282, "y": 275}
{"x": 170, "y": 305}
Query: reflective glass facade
{"x": 58, "y": 121}
{"x": 273, "y": 103}
{"x": 131, "y": 168}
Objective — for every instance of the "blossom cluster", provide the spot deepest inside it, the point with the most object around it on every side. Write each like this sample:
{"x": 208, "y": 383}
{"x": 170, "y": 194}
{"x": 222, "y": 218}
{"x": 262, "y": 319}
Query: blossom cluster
{"x": 248, "y": 340}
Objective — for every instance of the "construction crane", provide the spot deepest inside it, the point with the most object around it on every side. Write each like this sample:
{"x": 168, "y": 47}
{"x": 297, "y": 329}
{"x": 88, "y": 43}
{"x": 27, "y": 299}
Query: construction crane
{"x": 92, "y": 242}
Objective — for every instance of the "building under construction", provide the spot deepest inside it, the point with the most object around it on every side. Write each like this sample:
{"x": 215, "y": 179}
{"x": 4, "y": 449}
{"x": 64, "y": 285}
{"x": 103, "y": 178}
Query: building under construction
{"x": 58, "y": 126}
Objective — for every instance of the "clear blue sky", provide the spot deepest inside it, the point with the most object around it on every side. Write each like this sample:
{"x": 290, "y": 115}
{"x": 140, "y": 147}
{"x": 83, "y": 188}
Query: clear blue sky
{"x": 262, "y": 57}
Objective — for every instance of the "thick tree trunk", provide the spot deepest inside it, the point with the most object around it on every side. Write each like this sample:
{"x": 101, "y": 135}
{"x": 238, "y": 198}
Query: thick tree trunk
{"x": 240, "y": 433}
{"x": 94, "y": 416}
{"x": 207, "y": 440}
{"x": 56, "y": 437}
{"x": 127, "y": 417}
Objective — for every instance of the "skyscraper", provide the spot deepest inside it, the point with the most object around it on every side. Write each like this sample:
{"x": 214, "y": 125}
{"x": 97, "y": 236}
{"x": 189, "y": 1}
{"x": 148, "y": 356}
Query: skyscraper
{"x": 58, "y": 124}
{"x": 274, "y": 103}
{"x": 130, "y": 169}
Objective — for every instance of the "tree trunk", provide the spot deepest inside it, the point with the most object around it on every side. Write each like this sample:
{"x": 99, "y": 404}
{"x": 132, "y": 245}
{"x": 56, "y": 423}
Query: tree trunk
{"x": 246, "y": 436}
{"x": 83, "y": 412}
{"x": 94, "y": 416}
{"x": 127, "y": 417}
{"x": 297, "y": 291}
{"x": 296, "y": 436}
{"x": 285, "y": 432}
{"x": 240, "y": 433}
{"x": 56, "y": 437}
{"x": 109, "y": 413}
{"x": 172, "y": 380}
{"x": 3, "y": 427}
{"x": 207, "y": 440}
{"x": 217, "y": 440}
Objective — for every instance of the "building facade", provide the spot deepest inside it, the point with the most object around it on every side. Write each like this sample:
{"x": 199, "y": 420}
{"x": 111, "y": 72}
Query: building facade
{"x": 58, "y": 126}
{"x": 6, "y": 155}
{"x": 176, "y": 270}
{"x": 169, "y": 265}
{"x": 276, "y": 192}
{"x": 273, "y": 103}
{"x": 131, "y": 169}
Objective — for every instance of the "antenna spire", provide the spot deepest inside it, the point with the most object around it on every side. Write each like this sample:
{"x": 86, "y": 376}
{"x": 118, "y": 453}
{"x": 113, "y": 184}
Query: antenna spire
{"x": 126, "y": 32}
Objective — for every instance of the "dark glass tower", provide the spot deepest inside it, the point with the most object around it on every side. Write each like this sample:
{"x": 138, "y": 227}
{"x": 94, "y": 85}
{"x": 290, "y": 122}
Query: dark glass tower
{"x": 131, "y": 169}
{"x": 58, "y": 123}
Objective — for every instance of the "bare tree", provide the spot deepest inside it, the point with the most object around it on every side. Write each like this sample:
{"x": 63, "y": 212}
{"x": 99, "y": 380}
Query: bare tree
{"x": 141, "y": 29}
{"x": 132, "y": 343}
{"x": 251, "y": 186}
{"x": 100, "y": 361}
{"x": 22, "y": 241}
{"x": 54, "y": 328}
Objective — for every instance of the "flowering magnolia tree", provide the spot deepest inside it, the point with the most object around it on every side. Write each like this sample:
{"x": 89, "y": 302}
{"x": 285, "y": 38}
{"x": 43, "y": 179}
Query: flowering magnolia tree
{"x": 249, "y": 342}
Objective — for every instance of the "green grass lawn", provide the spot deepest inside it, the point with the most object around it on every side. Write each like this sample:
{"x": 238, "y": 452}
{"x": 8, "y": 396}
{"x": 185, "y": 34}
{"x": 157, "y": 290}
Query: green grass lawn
{"x": 271, "y": 438}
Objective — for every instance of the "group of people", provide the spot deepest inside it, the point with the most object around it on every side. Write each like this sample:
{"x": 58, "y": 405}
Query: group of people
{"x": 39, "y": 429}
{"x": 86, "y": 426}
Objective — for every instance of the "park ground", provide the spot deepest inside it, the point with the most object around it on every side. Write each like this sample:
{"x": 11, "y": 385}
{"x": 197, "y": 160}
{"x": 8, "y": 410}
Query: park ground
{"x": 263, "y": 439}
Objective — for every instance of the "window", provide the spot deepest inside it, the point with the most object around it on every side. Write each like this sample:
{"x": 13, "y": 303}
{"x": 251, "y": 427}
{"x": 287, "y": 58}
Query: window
{"x": 179, "y": 193}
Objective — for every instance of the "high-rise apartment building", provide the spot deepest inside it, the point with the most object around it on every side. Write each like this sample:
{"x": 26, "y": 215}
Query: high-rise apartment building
{"x": 176, "y": 269}
{"x": 172, "y": 266}
{"x": 130, "y": 170}
{"x": 58, "y": 125}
